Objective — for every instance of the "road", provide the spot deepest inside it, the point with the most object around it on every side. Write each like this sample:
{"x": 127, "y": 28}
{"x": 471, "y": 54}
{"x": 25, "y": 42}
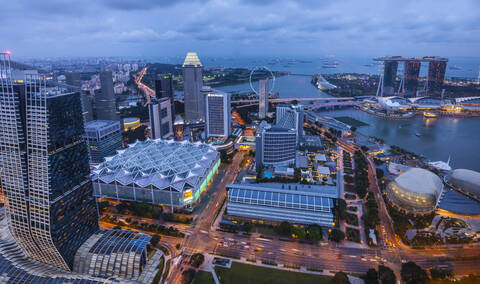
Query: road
{"x": 149, "y": 93}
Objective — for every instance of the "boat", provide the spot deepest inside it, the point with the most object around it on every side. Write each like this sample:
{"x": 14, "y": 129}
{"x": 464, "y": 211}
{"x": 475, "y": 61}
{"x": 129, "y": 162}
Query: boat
{"x": 429, "y": 114}
{"x": 417, "y": 134}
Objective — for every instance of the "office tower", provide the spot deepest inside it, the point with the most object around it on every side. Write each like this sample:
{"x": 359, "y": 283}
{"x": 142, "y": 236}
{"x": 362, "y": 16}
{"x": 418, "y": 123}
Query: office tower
{"x": 105, "y": 99}
{"x": 290, "y": 118}
{"x": 73, "y": 79}
{"x": 161, "y": 120}
{"x": 51, "y": 210}
{"x": 218, "y": 117}
{"x": 87, "y": 108}
{"x": 104, "y": 138}
{"x": 192, "y": 84}
{"x": 389, "y": 77}
{"x": 275, "y": 146}
{"x": 436, "y": 74}
{"x": 263, "y": 99}
{"x": 410, "y": 80}
{"x": 164, "y": 89}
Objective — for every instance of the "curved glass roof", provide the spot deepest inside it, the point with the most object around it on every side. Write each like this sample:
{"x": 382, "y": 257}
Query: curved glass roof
{"x": 466, "y": 180}
{"x": 420, "y": 181}
{"x": 159, "y": 163}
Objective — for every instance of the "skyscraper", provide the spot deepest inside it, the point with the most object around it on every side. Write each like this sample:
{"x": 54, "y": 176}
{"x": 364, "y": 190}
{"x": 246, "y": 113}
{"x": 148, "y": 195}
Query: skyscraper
{"x": 164, "y": 89}
{"x": 87, "y": 108}
{"x": 105, "y": 99}
{"x": 104, "y": 138}
{"x": 263, "y": 98}
{"x": 389, "y": 76}
{"x": 290, "y": 118}
{"x": 161, "y": 119}
{"x": 275, "y": 146}
{"x": 436, "y": 74}
{"x": 412, "y": 69}
{"x": 218, "y": 117}
{"x": 50, "y": 208}
{"x": 192, "y": 84}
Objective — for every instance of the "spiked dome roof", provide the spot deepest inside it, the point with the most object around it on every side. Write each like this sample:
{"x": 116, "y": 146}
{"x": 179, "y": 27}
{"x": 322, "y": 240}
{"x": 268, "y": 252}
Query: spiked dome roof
{"x": 163, "y": 164}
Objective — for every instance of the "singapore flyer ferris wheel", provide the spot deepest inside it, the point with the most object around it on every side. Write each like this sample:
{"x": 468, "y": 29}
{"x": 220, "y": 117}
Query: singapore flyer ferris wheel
{"x": 258, "y": 69}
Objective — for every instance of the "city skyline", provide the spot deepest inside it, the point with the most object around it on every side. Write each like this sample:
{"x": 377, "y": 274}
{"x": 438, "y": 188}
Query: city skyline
{"x": 226, "y": 28}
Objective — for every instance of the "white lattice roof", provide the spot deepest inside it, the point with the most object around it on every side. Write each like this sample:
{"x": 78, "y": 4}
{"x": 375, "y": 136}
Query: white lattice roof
{"x": 159, "y": 163}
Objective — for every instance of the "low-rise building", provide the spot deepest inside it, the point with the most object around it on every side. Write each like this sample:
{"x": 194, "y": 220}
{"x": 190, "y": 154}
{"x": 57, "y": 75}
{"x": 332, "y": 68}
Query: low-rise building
{"x": 277, "y": 202}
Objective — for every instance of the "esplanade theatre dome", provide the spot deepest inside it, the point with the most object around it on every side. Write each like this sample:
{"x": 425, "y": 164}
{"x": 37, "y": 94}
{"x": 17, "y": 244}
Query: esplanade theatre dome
{"x": 417, "y": 190}
{"x": 465, "y": 181}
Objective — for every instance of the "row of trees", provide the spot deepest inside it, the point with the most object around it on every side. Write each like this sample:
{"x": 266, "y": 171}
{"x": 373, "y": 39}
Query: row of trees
{"x": 361, "y": 174}
{"x": 370, "y": 216}
{"x": 311, "y": 232}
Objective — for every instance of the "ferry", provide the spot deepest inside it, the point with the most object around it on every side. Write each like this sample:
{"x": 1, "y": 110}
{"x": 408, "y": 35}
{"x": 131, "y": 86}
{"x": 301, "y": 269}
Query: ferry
{"x": 429, "y": 114}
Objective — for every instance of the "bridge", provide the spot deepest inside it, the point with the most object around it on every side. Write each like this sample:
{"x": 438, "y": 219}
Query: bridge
{"x": 284, "y": 100}
{"x": 332, "y": 105}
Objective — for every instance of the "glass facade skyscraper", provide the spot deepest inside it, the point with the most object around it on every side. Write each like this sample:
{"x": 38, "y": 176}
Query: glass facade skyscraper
{"x": 436, "y": 74}
{"x": 192, "y": 85}
{"x": 389, "y": 76}
{"x": 164, "y": 89}
{"x": 218, "y": 114}
{"x": 412, "y": 70}
{"x": 51, "y": 209}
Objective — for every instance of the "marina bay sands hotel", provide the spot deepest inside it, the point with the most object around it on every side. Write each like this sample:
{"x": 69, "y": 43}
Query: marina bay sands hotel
{"x": 409, "y": 79}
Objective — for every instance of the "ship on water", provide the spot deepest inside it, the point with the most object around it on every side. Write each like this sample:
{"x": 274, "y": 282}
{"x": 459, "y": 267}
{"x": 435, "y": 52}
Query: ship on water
{"x": 429, "y": 114}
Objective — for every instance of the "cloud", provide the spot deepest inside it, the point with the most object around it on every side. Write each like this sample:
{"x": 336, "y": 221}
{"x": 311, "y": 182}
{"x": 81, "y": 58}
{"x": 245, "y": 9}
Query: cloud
{"x": 216, "y": 27}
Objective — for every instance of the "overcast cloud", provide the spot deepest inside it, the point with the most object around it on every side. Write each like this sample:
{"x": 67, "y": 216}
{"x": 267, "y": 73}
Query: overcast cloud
{"x": 240, "y": 28}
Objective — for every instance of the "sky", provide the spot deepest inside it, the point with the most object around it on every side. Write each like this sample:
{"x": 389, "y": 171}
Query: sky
{"x": 248, "y": 28}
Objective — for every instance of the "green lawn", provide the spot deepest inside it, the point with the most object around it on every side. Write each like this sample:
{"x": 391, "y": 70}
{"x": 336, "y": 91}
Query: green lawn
{"x": 203, "y": 277}
{"x": 351, "y": 121}
{"x": 241, "y": 273}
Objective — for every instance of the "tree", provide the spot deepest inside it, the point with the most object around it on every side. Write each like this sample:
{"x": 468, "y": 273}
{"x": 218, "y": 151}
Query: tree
{"x": 371, "y": 277}
{"x": 299, "y": 232}
{"x": 177, "y": 246}
{"x": 342, "y": 209}
{"x": 413, "y": 274}
{"x": 154, "y": 240}
{"x": 386, "y": 275}
{"x": 197, "y": 259}
{"x": 440, "y": 273}
{"x": 340, "y": 278}
{"x": 336, "y": 235}
{"x": 284, "y": 228}
{"x": 315, "y": 233}
{"x": 188, "y": 275}
{"x": 247, "y": 227}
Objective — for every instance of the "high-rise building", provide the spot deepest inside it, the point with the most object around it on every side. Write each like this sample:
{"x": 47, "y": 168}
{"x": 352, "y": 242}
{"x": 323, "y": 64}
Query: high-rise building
{"x": 51, "y": 210}
{"x": 436, "y": 74}
{"x": 87, "y": 108}
{"x": 105, "y": 99}
{"x": 290, "y": 118}
{"x": 275, "y": 146}
{"x": 104, "y": 138}
{"x": 73, "y": 79}
{"x": 411, "y": 72}
{"x": 161, "y": 119}
{"x": 192, "y": 85}
{"x": 263, "y": 98}
{"x": 218, "y": 117}
{"x": 164, "y": 89}
{"x": 389, "y": 77}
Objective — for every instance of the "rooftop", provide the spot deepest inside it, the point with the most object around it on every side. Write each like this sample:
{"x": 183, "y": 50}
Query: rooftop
{"x": 316, "y": 190}
{"x": 192, "y": 60}
{"x": 160, "y": 163}
{"x": 420, "y": 181}
{"x": 98, "y": 124}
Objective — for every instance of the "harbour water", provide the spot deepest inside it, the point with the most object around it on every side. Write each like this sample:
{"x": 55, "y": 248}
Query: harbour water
{"x": 440, "y": 138}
